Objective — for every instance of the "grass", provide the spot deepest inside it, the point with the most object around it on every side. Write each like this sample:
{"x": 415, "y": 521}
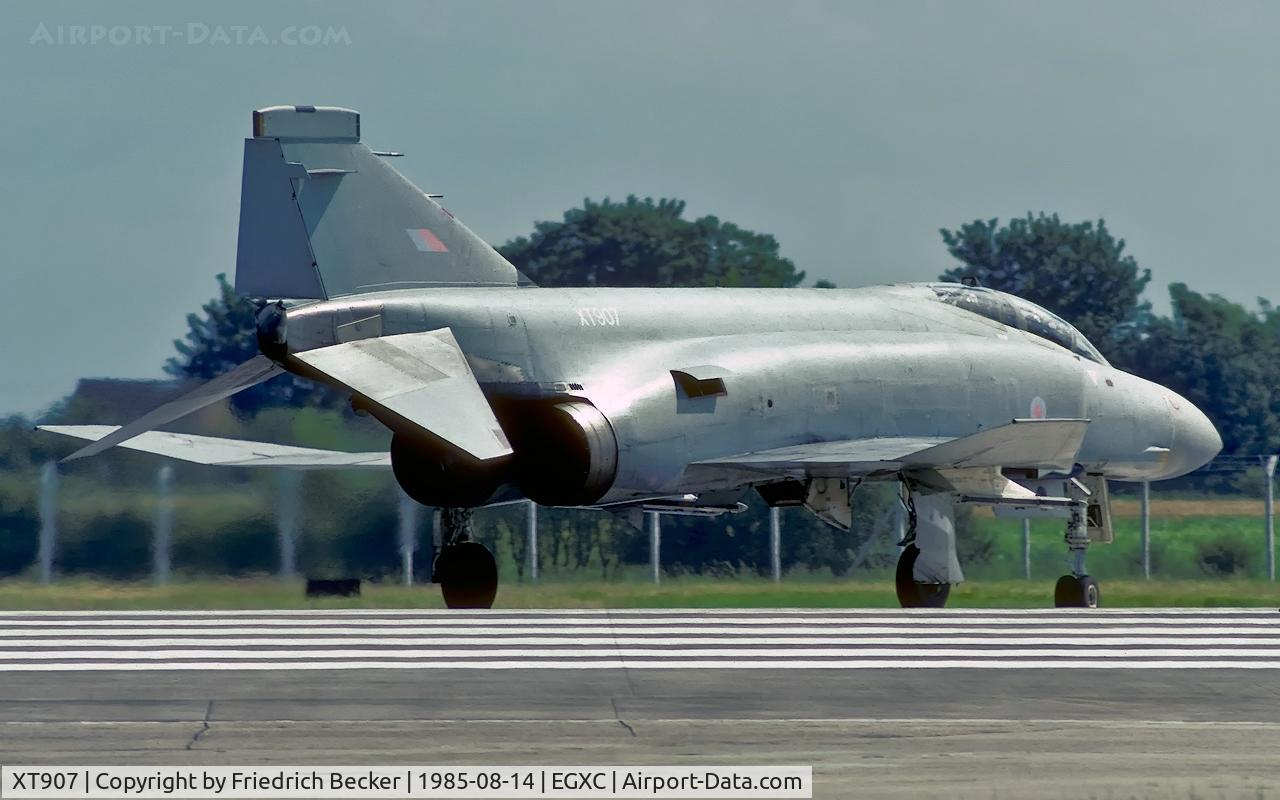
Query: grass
{"x": 1165, "y": 507}
{"x": 792, "y": 592}
{"x": 1183, "y": 548}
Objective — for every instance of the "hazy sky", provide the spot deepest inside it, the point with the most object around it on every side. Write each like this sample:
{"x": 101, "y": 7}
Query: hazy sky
{"x": 851, "y": 131}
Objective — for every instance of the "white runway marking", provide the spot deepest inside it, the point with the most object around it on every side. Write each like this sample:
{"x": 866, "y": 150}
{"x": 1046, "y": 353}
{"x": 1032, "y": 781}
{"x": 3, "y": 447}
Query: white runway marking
{"x": 649, "y": 639}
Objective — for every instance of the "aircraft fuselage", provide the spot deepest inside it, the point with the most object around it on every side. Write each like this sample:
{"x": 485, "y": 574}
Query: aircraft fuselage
{"x": 798, "y": 366}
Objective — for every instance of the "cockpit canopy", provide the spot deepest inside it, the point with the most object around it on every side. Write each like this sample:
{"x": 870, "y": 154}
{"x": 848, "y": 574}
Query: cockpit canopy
{"x": 1017, "y": 313}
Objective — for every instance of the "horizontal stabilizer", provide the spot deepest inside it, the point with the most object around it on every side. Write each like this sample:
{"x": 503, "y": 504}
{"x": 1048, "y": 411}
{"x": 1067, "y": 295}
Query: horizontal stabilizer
{"x": 421, "y": 378}
{"x": 228, "y": 452}
{"x": 250, "y": 373}
{"x": 1032, "y": 444}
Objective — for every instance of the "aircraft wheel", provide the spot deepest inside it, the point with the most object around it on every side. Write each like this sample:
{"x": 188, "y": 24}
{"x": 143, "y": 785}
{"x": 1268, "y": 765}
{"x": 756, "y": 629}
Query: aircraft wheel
{"x": 913, "y": 594}
{"x": 468, "y": 575}
{"x": 1075, "y": 592}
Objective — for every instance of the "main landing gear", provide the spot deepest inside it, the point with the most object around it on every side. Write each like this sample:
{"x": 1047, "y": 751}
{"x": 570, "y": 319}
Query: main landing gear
{"x": 1077, "y": 590}
{"x": 465, "y": 570}
{"x": 928, "y": 564}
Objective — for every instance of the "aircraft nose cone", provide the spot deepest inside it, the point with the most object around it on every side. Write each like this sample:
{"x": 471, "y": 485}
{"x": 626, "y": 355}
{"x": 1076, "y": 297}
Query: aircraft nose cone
{"x": 1195, "y": 440}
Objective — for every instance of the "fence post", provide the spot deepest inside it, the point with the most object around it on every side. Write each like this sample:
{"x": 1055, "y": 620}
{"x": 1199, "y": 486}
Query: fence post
{"x": 1146, "y": 530}
{"x": 48, "y": 519}
{"x": 408, "y": 534}
{"x": 531, "y": 532}
{"x": 1026, "y": 548}
{"x": 437, "y": 539}
{"x": 1269, "y": 507}
{"x": 288, "y": 502}
{"x": 655, "y": 546}
{"x": 162, "y": 541}
{"x": 775, "y": 543}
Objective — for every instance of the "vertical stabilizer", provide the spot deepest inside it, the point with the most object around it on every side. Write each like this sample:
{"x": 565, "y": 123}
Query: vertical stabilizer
{"x": 321, "y": 215}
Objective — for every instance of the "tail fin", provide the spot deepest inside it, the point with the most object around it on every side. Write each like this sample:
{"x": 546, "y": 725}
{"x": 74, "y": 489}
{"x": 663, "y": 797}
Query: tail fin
{"x": 322, "y": 215}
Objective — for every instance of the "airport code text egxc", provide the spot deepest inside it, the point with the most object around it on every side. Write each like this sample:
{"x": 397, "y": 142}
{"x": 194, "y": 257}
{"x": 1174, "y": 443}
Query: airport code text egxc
{"x": 406, "y": 781}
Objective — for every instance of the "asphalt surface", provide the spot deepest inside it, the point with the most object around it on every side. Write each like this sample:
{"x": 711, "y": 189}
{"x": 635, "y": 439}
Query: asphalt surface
{"x": 882, "y": 704}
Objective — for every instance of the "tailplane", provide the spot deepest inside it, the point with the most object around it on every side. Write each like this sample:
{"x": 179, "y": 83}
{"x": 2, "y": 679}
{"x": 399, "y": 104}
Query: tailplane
{"x": 322, "y": 215}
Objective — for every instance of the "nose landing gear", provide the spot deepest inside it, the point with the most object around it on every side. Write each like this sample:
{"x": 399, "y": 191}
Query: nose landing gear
{"x": 1077, "y": 590}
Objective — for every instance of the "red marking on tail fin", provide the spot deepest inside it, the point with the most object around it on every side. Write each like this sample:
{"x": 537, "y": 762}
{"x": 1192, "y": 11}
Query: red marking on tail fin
{"x": 426, "y": 241}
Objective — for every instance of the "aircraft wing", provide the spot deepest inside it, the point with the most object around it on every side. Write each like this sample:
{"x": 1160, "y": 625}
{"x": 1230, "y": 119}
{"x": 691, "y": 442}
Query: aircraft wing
{"x": 1031, "y": 443}
{"x": 228, "y": 452}
{"x": 250, "y": 373}
{"x": 422, "y": 378}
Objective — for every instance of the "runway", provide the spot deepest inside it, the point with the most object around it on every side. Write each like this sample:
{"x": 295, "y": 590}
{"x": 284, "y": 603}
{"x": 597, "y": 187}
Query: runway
{"x": 697, "y": 639}
{"x": 953, "y": 703}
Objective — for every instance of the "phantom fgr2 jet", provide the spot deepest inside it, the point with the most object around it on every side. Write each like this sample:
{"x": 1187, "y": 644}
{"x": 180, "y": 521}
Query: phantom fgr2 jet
{"x": 668, "y": 400}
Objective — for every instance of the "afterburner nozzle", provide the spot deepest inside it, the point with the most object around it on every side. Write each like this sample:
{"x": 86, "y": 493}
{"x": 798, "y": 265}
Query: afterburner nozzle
{"x": 272, "y": 323}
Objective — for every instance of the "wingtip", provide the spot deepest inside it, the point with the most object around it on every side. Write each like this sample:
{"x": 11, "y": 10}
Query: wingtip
{"x": 59, "y": 429}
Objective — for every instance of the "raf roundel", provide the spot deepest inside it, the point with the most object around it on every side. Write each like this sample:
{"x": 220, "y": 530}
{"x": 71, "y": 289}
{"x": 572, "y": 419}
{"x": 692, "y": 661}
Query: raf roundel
{"x": 1038, "y": 408}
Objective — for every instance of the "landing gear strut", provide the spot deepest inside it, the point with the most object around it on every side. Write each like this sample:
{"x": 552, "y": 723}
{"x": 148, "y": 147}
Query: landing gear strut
{"x": 465, "y": 570}
{"x": 1077, "y": 590}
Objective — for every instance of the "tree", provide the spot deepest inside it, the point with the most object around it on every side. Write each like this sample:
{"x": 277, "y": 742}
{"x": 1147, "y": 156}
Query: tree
{"x": 225, "y": 337}
{"x": 1225, "y": 359}
{"x": 647, "y": 243}
{"x": 1078, "y": 271}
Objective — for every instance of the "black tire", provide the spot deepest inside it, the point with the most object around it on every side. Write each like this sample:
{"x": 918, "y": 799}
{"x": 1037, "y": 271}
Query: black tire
{"x": 912, "y": 594}
{"x": 468, "y": 575}
{"x": 934, "y": 595}
{"x": 1076, "y": 592}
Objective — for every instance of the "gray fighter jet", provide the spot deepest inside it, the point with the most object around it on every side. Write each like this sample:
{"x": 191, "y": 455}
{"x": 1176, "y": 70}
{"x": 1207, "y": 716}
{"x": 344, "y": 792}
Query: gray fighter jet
{"x": 670, "y": 400}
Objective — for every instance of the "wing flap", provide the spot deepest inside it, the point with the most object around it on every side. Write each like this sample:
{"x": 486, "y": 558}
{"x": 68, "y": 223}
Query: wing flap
{"x": 221, "y": 452}
{"x": 423, "y": 378}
